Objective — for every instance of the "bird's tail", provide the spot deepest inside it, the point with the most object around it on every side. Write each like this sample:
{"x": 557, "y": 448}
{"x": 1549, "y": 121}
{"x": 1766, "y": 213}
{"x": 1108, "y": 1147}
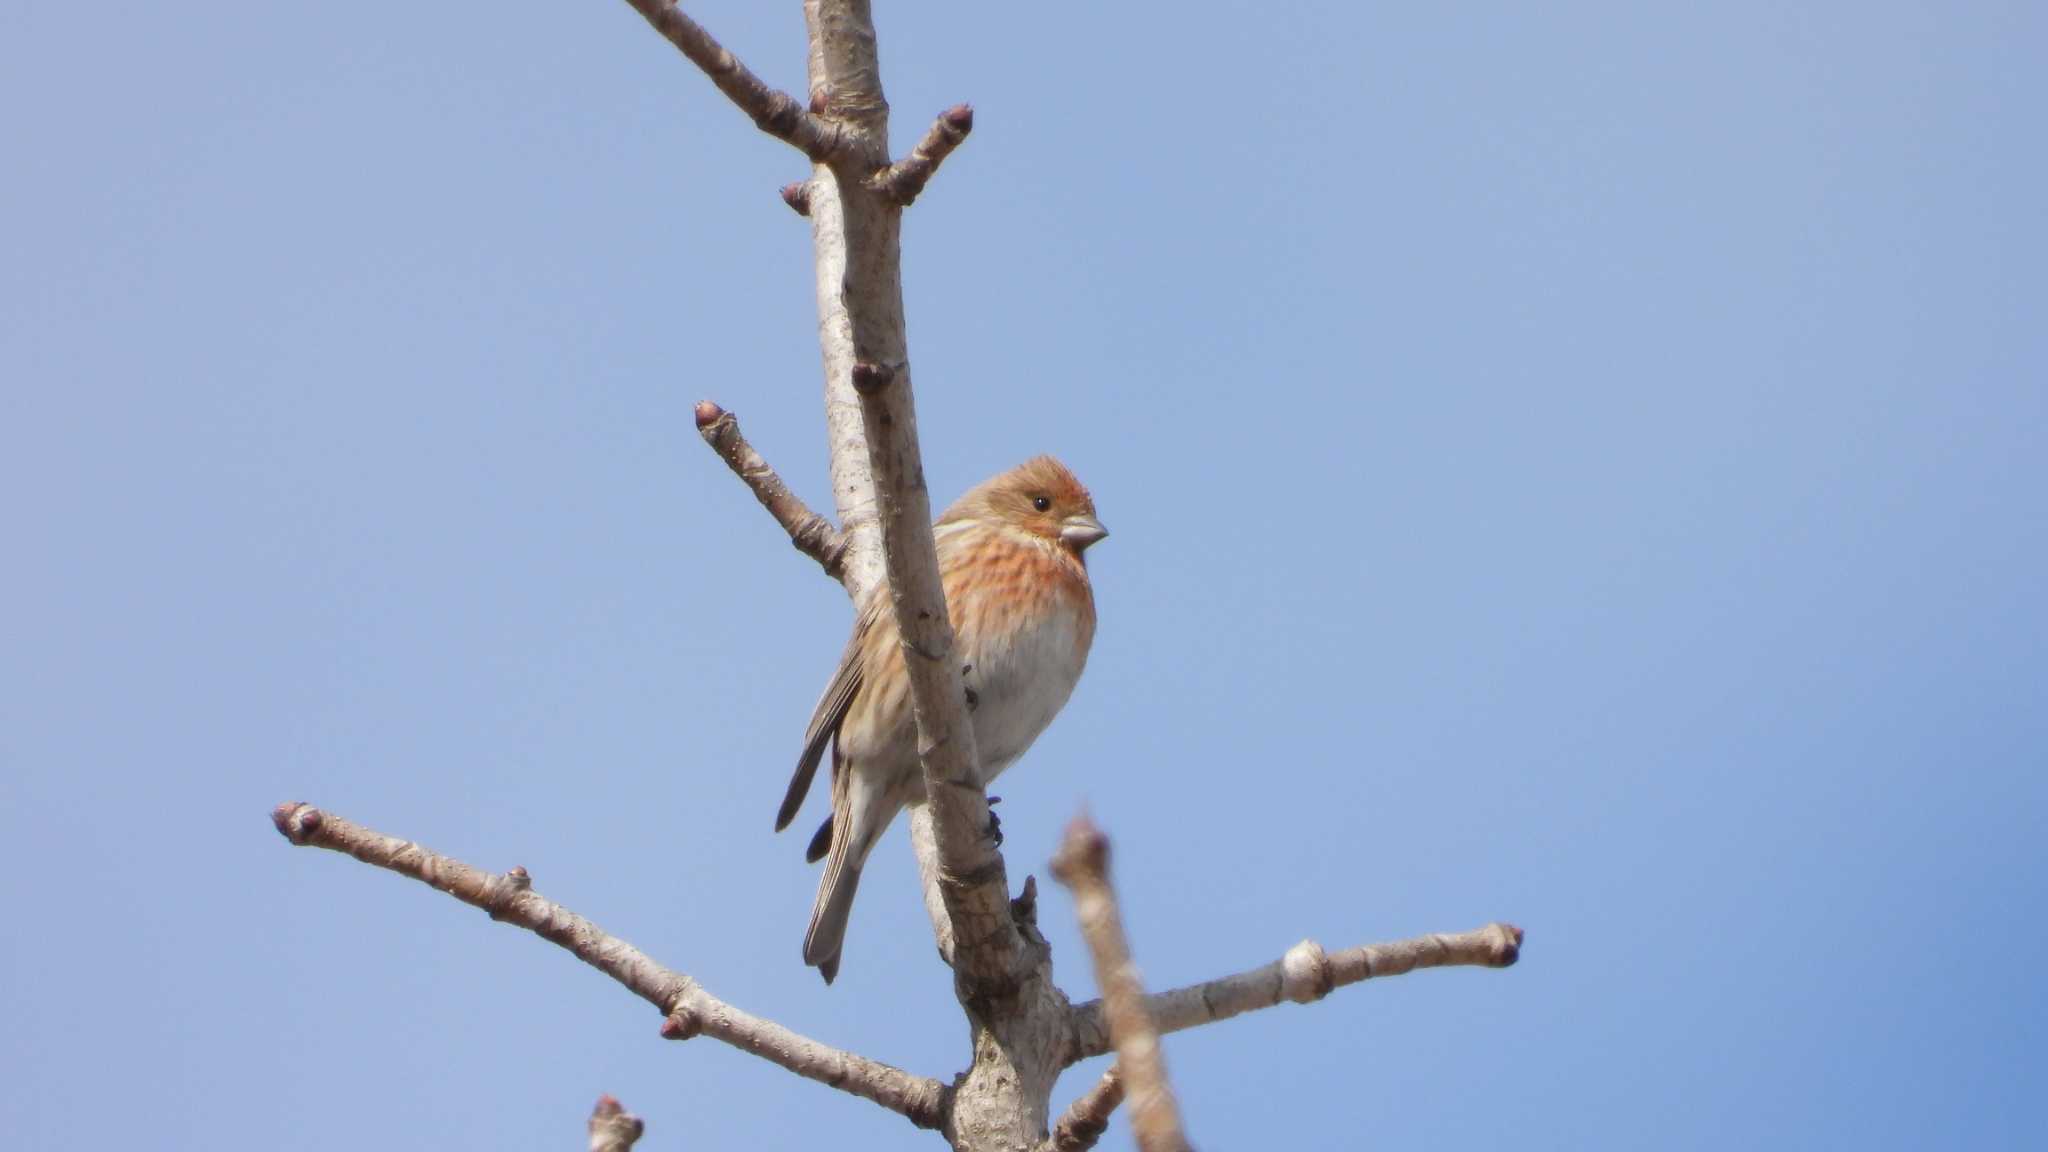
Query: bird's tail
{"x": 827, "y": 932}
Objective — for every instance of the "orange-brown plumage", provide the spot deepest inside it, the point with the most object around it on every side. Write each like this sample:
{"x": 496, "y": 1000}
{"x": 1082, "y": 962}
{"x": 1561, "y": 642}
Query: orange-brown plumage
{"x": 1011, "y": 562}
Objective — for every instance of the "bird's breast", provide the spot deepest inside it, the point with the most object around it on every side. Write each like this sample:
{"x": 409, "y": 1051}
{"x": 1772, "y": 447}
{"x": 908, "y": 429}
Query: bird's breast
{"x": 1024, "y": 652}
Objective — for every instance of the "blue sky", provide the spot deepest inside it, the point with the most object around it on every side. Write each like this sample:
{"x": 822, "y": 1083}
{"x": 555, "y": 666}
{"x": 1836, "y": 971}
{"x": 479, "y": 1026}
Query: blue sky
{"x": 1577, "y": 464}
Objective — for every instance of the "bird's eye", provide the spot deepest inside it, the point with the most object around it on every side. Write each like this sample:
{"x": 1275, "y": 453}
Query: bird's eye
{"x": 1041, "y": 503}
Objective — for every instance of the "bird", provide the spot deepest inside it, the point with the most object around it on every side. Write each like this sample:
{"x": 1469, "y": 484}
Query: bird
{"x": 1012, "y": 563}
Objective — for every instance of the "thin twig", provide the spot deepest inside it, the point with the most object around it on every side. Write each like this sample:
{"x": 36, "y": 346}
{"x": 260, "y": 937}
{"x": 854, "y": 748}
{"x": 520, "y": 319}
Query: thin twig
{"x": 688, "y": 1008}
{"x": 612, "y": 1128}
{"x": 813, "y": 535}
{"x": 1088, "y": 1116}
{"x": 775, "y": 112}
{"x": 902, "y": 181}
{"x": 1082, "y": 864}
{"x": 1304, "y": 975}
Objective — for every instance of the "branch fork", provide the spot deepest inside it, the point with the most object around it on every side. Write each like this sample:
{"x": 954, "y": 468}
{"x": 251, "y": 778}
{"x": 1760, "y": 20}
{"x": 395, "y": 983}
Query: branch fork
{"x": 902, "y": 181}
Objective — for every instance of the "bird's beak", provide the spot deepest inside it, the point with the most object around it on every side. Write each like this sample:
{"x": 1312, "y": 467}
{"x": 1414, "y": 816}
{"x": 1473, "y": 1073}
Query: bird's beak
{"x": 1078, "y": 532}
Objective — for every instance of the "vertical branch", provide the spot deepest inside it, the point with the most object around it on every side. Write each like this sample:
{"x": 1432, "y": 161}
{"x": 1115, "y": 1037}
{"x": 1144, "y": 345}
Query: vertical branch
{"x": 926, "y": 850}
{"x": 857, "y": 232}
{"x": 853, "y": 485}
{"x": 1018, "y": 1017}
{"x": 1082, "y": 864}
{"x": 846, "y": 88}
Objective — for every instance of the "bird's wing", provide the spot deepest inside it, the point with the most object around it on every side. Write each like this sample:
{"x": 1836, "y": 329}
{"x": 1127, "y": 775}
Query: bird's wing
{"x": 825, "y": 720}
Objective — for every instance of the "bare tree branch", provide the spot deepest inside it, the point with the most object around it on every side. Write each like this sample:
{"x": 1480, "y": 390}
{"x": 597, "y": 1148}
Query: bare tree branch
{"x": 688, "y": 1007}
{"x": 612, "y": 1128}
{"x": 1304, "y": 975}
{"x": 1016, "y": 1014}
{"x": 971, "y": 875}
{"x": 812, "y": 534}
{"x": 1082, "y": 864}
{"x": 856, "y": 232}
{"x": 1087, "y": 1117}
{"x": 927, "y": 852}
{"x": 775, "y": 112}
{"x": 902, "y": 181}
{"x": 844, "y": 72}
{"x": 1023, "y": 1028}
{"x": 853, "y": 485}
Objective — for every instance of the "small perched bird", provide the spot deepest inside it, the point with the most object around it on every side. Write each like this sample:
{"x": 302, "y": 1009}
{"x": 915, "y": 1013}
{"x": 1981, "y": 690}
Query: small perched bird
{"x": 1010, "y": 560}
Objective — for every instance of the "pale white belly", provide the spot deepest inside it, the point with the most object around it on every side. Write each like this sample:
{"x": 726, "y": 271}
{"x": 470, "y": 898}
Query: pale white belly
{"x": 1019, "y": 683}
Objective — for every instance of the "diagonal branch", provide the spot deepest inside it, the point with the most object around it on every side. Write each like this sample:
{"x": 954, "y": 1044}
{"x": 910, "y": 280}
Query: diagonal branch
{"x": 688, "y": 1007}
{"x": 612, "y": 1128}
{"x": 1088, "y": 1116}
{"x": 903, "y": 180}
{"x": 1082, "y": 864}
{"x": 812, "y": 534}
{"x": 775, "y": 112}
{"x": 1304, "y": 975}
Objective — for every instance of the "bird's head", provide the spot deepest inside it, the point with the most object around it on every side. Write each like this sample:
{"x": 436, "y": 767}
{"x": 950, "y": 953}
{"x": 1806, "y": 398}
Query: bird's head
{"x": 1038, "y": 496}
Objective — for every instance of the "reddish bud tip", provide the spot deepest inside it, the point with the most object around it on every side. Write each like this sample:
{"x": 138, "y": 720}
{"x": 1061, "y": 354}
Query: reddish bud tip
{"x": 818, "y": 103}
{"x": 1083, "y": 852}
{"x": 960, "y": 117}
{"x": 296, "y": 820}
{"x": 798, "y": 197}
{"x": 1511, "y": 946}
{"x": 707, "y": 412}
{"x": 608, "y": 1105}
{"x": 680, "y": 1026}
